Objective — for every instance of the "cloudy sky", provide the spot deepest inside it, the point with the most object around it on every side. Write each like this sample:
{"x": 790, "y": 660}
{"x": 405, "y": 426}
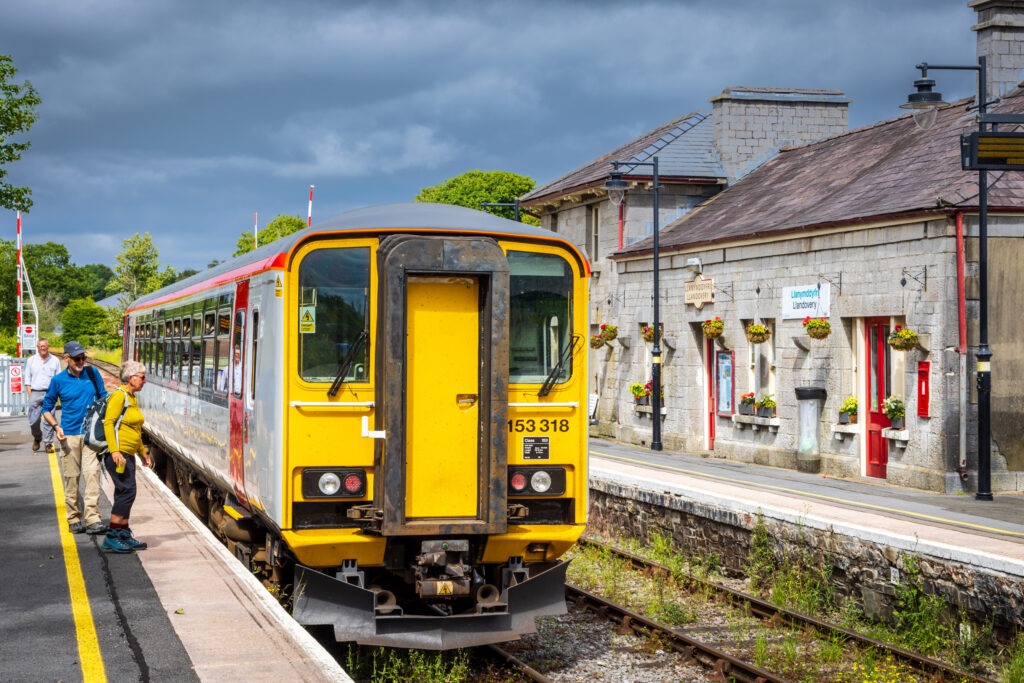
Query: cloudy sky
{"x": 184, "y": 117}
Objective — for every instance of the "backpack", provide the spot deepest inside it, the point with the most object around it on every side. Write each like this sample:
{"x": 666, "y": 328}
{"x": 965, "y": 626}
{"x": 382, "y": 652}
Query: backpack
{"x": 92, "y": 427}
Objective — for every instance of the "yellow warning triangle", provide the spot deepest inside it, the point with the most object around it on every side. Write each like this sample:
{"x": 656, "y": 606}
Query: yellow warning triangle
{"x": 307, "y": 317}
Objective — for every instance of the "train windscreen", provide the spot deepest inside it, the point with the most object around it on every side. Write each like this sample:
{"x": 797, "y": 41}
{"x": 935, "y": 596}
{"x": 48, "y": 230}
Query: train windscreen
{"x": 541, "y": 315}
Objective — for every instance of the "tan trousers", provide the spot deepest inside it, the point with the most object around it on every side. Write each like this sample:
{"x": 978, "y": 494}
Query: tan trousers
{"x": 78, "y": 460}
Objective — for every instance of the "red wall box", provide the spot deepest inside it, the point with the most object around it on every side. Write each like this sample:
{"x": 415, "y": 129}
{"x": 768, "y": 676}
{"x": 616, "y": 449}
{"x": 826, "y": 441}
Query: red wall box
{"x": 924, "y": 389}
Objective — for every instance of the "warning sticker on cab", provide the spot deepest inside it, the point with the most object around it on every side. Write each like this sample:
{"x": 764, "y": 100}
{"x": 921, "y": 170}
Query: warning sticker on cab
{"x": 307, "y": 319}
{"x": 536, "y": 448}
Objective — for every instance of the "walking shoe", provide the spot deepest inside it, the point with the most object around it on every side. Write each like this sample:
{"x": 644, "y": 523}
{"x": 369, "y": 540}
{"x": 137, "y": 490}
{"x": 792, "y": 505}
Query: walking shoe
{"x": 50, "y": 449}
{"x": 129, "y": 540}
{"x": 35, "y": 445}
{"x": 96, "y": 528}
{"x": 76, "y": 527}
{"x": 114, "y": 544}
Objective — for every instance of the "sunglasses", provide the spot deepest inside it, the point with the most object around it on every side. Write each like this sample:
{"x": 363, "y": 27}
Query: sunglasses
{"x": 78, "y": 359}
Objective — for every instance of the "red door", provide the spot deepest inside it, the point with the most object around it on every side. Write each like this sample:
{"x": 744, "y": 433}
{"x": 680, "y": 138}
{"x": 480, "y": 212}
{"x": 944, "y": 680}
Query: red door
{"x": 236, "y": 383}
{"x": 877, "y": 371}
{"x": 709, "y": 374}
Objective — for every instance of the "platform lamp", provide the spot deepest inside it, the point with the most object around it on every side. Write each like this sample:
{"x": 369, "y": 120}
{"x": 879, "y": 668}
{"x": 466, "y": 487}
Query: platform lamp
{"x": 925, "y": 104}
{"x": 616, "y": 188}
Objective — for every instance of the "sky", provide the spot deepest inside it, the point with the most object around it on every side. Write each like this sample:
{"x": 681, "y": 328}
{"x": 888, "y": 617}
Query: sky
{"x": 183, "y": 118}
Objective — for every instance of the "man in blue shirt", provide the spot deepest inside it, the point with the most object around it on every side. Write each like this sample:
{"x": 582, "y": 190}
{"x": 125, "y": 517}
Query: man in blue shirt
{"x": 76, "y": 387}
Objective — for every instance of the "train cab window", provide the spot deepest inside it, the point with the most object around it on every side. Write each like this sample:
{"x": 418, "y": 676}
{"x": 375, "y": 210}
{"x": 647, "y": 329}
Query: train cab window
{"x": 540, "y": 321}
{"x": 334, "y": 286}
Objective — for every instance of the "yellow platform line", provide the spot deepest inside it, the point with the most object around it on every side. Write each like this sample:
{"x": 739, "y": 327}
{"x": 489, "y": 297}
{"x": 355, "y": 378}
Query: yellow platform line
{"x": 85, "y": 630}
{"x": 807, "y": 494}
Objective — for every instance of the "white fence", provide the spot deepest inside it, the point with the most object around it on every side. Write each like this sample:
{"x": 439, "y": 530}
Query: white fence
{"x": 13, "y": 400}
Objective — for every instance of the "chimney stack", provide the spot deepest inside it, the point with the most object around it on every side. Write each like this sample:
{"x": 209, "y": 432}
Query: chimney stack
{"x": 1000, "y": 30}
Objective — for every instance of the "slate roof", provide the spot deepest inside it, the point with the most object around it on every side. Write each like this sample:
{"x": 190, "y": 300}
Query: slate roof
{"x": 883, "y": 170}
{"x": 684, "y": 149}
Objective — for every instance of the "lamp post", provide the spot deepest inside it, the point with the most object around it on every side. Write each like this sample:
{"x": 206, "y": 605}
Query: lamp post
{"x": 616, "y": 187}
{"x": 925, "y": 103}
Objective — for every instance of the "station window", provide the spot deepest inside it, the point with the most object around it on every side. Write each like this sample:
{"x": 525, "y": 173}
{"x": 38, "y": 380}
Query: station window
{"x": 334, "y": 286}
{"x": 761, "y": 361}
{"x": 540, "y": 320}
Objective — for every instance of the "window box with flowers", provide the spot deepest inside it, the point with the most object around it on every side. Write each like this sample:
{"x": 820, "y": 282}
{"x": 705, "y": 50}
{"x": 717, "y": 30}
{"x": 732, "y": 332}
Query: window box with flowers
{"x": 817, "y": 328}
{"x": 766, "y": 406}
{"x": 609, "y": 332}
{"x": 596, "y": 341}
{"x": 848, "y": 411}
{"x": 713, "y": 328}
{"x": 902, "y": 338}
{"x": 747, "y": 404}
{"x": 647, "y": 332}
{"x": 758, "y": 333}
{"x": 641, "y": 393}
{"x": 895, "y": 411}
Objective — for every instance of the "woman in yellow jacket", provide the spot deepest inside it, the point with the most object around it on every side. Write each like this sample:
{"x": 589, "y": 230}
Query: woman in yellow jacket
{"x": 123, "y": 433}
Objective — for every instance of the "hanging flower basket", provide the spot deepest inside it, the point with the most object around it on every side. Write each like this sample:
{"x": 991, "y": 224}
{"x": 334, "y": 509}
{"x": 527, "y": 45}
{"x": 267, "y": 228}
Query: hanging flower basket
{"x": 758, "y": 333}
{"x": 596, "y": 342}
{"x": 647, "y": 332}
{"x": 713, "y": 328}
{"x": 902, "y": 338}
{"x": 609, "y": 332}
{"x": 817, "y": 328}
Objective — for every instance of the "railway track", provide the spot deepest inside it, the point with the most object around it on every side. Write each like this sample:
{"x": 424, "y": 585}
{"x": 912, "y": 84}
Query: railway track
{"x": 928, "y": 668}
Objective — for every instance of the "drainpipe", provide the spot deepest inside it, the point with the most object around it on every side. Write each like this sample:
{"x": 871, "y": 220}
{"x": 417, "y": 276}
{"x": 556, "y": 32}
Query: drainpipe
{"x": 961, "y": 302}
{"x": 622, "y": 213}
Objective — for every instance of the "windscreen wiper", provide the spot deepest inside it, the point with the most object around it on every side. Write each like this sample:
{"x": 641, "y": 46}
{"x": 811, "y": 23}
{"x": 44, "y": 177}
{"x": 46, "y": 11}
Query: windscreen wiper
{"x": 346, "y": 364}
{"x": 556, "y": 371}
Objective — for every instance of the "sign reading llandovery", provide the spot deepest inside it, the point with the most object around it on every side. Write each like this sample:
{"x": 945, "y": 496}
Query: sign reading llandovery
{"x": 808, "y": 300}
{"x": 699, "y": 292}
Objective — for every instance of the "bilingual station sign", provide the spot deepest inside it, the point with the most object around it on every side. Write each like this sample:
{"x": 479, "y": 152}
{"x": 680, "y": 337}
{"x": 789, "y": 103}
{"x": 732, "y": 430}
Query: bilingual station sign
{"x": 807, "y": 300}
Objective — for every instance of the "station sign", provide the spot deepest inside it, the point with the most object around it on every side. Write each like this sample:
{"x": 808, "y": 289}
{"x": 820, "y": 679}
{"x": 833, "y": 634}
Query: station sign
{"x": 807, "y": 300}
{"x": 699, "y": 291}
{"x": 14, "y": 374}
{"x": 993, "y": 151}
{"x": 29, "y": 335}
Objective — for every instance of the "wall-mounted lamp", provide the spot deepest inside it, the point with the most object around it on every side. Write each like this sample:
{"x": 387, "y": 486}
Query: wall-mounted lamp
{"x": 695, "y": 265}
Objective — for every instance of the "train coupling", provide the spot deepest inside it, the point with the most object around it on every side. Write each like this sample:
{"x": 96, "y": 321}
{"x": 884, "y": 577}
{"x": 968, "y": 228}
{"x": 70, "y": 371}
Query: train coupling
{"x": 442, "y": 570}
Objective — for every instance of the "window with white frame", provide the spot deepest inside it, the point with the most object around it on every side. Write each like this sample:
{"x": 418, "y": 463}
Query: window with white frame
{"x": 594, "y": 232}
{"x": 761, "y": 362}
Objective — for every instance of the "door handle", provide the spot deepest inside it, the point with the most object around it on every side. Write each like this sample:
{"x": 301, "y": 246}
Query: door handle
{"x": 466, "y": 400}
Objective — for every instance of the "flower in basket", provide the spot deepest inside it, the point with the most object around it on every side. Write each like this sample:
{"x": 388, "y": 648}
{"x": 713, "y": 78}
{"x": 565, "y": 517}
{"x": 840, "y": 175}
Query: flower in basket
{"x": 596, "y": 342}
{"x": 713, "y": 328}
{"x": 849, "y": 405}
{"x": 609, "y": 332}
{"x": 650, "y": 388}
{"x": 893, "y": 407}
{"x": 747, "y": 399}
{"x": 902, "y": 338}
{"x": 757, "y": 333}
{"x": 817, "y": 328}
{"x": 639, "y": 390}
{"x": 647, "y": 332}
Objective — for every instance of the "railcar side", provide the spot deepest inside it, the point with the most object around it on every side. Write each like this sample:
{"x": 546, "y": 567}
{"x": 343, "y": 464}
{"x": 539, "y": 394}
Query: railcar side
{"x": 405, "y": 428}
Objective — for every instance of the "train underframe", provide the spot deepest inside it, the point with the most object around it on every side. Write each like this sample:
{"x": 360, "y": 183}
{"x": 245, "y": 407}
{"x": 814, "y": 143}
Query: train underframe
{"x": 429, "y": 595}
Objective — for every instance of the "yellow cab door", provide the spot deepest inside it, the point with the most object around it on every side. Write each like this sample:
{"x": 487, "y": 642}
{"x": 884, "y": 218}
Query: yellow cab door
{"x": 442, "y": 390}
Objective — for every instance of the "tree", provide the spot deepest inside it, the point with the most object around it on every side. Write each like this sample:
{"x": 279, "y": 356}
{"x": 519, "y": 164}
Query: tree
{"x": 83, "y": 320}
{"x": 17, "y": 114}
{"x": 282, "y": 226}
{"x": 473, "y": 188}
{"x": 98, "y": 275}
{"x": 137, "y": 271}
{"x": 52, "y": 274}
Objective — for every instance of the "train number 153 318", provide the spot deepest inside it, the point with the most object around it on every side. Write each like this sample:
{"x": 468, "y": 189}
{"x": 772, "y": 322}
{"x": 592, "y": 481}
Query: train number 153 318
{"x": 544, "y": 425}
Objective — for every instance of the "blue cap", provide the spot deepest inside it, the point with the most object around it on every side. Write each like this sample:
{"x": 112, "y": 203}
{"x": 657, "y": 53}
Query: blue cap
{"x": 73, "y": 348}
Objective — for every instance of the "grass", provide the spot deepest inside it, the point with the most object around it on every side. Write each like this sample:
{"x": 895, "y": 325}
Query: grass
{"x": 384, "y": 665}
{"x": 110, "y": 356}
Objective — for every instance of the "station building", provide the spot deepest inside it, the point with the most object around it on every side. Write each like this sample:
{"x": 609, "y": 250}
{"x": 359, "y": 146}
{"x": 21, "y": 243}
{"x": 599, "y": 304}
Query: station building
{"x": 773, "y": 212}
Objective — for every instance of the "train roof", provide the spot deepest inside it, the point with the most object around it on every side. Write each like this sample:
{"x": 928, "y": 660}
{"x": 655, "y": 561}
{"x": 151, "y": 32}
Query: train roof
{"x": 398, "y": 217}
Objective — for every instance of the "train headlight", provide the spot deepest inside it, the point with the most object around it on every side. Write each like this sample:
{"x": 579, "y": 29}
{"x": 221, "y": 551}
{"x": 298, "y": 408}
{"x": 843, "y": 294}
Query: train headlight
{"x": 333, "y": 482}
{"x": 536, "y": 481}
{"x": 329, "y": 483}
{"x": 540, "y": 481}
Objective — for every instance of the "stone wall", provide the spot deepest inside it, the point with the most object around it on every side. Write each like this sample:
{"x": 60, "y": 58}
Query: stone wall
{"x": 862, "y": 564}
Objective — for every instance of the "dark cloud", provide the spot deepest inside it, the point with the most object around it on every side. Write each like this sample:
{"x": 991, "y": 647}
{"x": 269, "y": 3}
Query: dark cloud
{"x": 182, "y": 118}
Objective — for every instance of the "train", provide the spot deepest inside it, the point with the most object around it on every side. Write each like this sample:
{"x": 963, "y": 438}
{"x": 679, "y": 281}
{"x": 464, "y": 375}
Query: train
{"x": 387, "y": 412}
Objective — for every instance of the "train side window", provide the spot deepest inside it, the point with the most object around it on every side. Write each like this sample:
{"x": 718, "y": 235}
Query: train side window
{"x": 222, "y": 350}
{"x": 334, "y": 286}
{"x": 235, "y": 372}
{"x": 540, "y": 320}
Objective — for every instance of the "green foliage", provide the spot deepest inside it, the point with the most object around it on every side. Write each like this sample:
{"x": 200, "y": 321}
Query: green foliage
{"x": 893, "y": 407}
{"x": 761, "y": 559}
{"x": 281, "y": 226}
{"x": 138, "y": 269}
{"x": 920, "y": 617}
{"x": 17, "y": 114}
{"x": 52, "y": 273}
{"x": 1013, "y": 670}
{"x": 473, "y": 188}
{"x": 83, "y": 321}
{"x": 849, "y": 405}
{"x": 385, "y": 665}
{"x": 98, "y": 275}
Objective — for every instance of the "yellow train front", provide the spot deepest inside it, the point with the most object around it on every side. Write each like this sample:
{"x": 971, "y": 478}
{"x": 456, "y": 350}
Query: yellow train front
{"x": 421, "y": 456}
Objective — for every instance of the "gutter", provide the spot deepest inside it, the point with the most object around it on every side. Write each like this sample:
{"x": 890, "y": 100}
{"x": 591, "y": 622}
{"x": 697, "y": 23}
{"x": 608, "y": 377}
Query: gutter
{"x": 961, "y": 305}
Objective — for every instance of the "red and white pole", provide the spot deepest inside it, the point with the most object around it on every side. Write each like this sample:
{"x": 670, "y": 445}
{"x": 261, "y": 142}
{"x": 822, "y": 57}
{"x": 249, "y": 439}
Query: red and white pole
{"x": 309, "y": 213}
{"x": 17, "y": 270}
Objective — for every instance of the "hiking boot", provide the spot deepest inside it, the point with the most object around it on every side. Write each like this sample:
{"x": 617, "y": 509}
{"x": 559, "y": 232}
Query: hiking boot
{"x": 129, "y": 540}
{"x": 77, "y": 527}
{"x": 35, "y": 445}
{"x": 50, "y": 449}
{"x": 96, "y": 528}
{"x": 114, "y": 544}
